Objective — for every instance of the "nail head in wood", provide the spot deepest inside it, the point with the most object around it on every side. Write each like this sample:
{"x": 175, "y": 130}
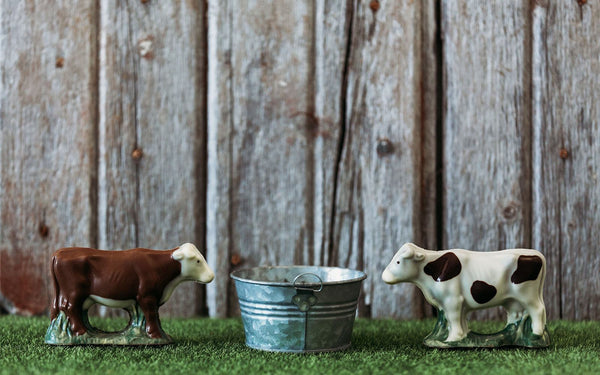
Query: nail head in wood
{"x": 384, "y": 147}
{"x": 137, "y": 154}
{"x": 236, "y": 260}
{"x": 564, "y": 153}
{"x": 44, "y": 230}
{"x": 60, "y": 62}
{"x": 374, "y": 5}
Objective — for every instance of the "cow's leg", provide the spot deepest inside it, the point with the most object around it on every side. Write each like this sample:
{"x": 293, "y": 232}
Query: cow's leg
{"x": 514, "y": 311}
{"x": 74, "y": 310}
{"x": 537, "y": 312}
{"x": 149, "y": 306}
{"x": 457, "y": 319}
{"x": 530, "y": 297}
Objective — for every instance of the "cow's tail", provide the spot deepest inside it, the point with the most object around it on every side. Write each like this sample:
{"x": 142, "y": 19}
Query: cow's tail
{"x": 54, "y": 306}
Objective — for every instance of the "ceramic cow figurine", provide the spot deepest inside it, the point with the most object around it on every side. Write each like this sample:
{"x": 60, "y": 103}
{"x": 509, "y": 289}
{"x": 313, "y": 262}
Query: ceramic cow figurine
{"x": 138, "y": 280}
{"x": 458, "y": 281}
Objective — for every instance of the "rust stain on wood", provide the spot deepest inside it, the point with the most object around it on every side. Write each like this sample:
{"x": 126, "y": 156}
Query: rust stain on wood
{"x": 20, "y": 284}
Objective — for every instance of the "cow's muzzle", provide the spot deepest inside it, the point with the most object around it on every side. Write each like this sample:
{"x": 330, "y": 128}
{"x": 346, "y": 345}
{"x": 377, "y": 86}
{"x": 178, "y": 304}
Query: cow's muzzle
{"x": 388, "y": 277}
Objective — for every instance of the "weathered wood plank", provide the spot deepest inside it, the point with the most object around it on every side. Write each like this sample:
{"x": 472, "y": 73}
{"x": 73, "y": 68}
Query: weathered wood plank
{"x": 219, "y": 163}
{"x": 152, "y": 68}
{"x": 429, "y": 217}
{"x": 566, "y": 120}
{"x": 379, "y": 192}
{"x": 47, "y": 143}
{"x": 487, "y": 126}
{"x": 275, "y": 74}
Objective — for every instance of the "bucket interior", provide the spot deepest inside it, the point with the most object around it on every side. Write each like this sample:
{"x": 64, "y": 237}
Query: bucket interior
{"x": 285, "y": 275}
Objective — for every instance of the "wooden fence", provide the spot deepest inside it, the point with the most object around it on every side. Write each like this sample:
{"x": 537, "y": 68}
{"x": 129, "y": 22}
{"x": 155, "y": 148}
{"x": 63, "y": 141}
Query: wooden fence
{"x": 305, "y": 132}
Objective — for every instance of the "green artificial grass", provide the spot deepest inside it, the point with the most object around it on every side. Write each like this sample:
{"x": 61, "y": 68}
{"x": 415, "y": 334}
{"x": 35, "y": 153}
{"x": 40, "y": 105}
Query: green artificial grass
{"x": 217, "y": 346}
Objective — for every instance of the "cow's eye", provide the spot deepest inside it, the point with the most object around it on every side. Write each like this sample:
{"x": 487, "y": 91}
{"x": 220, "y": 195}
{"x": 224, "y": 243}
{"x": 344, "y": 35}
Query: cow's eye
{"x": 397, "y": 262}
{"x": 197, "y": 261}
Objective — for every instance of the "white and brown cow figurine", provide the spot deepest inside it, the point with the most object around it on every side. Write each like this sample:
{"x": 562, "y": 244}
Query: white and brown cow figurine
{"x": 458, "y": 281}
{"x": 138, "y": 280}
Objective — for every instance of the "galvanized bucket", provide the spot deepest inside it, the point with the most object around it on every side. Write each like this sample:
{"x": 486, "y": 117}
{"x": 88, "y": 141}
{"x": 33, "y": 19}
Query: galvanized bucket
{"x": 298, "y": 308}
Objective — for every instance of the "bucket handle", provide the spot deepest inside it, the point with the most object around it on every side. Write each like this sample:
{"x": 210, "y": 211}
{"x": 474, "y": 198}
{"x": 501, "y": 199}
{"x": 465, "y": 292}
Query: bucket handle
{"x": 305, "y": 288}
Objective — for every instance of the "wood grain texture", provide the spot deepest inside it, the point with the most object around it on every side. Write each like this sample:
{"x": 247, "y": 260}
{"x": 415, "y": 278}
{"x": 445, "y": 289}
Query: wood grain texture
{"x": 380, "y": 173}
{"x": 487, "y": 126}
{"x": 566, "y": 67}
{"x": 47, "y": 143}
{"x": 275, "y": 74}
{"x": 152, "y": 68}
{"x": 431, "y": 135}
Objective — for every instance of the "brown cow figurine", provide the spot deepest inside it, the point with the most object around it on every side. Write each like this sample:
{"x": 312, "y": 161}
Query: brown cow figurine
{"x": 138, "y": 280}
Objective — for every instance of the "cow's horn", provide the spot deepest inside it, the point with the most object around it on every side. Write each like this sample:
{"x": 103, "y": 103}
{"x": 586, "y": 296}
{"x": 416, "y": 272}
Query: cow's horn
{"x": 409, "y": 253}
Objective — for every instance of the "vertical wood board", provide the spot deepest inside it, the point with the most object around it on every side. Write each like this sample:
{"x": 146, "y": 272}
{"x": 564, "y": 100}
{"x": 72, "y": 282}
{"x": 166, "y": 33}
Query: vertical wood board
{"x": 272, "y": 144}
{"x": 152, "y": 66}
{"x": 487, "y": 126}
{"x": 379, "y": 181}
{"x": 47, "y": 143}
{"x": 566, "y": 143}
{"x": 428, "y": 228}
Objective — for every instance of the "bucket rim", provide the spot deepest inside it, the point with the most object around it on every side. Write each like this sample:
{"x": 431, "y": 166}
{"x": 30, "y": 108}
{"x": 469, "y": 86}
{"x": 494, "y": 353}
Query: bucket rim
{"x": 236, "y": 277}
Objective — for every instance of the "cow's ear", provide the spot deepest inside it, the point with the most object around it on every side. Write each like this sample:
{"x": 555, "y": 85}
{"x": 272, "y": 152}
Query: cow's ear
{"x": 419, "y": 256}
{"x": 178, "y": 255}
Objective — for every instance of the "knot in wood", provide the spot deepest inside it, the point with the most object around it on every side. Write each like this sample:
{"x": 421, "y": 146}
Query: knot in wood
{"x": 509, "y": 212}
{"x": 137, "y": 154}
{"x": 384, "y": 147}
{"x": 564, "y": 153}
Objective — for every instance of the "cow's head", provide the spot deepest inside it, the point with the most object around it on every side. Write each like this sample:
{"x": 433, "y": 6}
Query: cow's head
{"x": 405, "y": 265}
{"x": 193, "y": 265}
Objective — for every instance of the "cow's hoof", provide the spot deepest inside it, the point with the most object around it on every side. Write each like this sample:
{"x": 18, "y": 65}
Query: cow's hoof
{"x": 78, "y": 331}
{"x": 155, "y": 334}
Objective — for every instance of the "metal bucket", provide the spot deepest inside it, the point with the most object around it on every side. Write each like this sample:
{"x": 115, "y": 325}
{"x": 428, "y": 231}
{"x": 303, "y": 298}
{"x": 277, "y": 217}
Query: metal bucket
{"x": 298, "y": 308}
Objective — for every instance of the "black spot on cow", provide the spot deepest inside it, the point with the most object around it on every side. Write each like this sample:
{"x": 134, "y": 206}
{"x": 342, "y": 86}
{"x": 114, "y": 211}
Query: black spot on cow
{"x": 482, "y": 292}
{"x": 444, "y": 268}
{"x": 528, "y": 268}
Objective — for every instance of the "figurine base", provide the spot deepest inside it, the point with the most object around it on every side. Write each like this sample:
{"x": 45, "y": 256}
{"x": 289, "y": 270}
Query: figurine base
{"x": 518, "y": 333}
{"x": 59, "y": 333}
